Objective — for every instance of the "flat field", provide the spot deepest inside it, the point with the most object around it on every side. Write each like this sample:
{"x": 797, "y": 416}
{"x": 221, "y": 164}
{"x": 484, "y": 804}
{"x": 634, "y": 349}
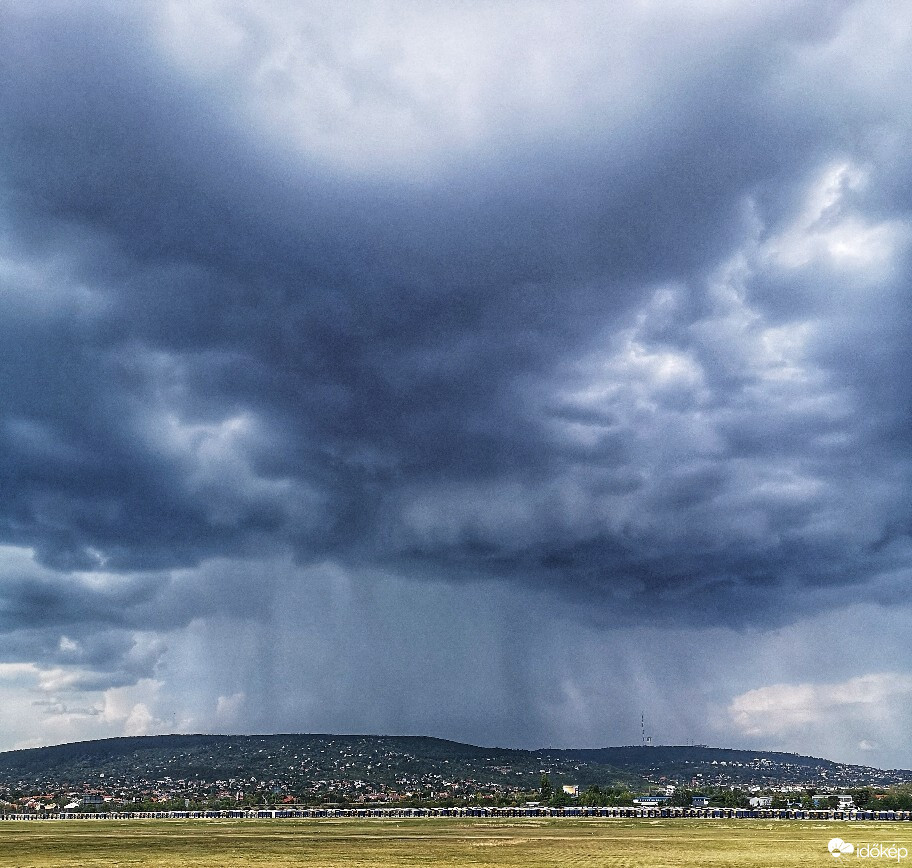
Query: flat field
{"x": 379, "y": 843}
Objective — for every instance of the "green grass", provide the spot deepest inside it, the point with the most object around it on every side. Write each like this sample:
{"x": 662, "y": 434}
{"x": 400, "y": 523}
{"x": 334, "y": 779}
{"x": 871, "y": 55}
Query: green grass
{"x": 424, "y": 842}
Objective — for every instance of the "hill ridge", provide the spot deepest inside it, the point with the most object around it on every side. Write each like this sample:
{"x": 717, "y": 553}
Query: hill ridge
{"x": 392, "y": 766}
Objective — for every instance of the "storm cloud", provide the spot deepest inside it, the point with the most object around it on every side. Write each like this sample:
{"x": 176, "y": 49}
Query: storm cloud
{"x": 499, "y": 316}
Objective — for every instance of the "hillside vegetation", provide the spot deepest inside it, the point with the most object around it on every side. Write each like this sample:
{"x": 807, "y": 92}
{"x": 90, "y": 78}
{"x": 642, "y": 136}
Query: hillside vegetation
{"x": 323, "y": 767}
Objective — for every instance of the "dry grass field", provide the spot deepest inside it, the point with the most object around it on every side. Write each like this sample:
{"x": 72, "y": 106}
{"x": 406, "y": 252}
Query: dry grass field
{"x": 423, "y": 842}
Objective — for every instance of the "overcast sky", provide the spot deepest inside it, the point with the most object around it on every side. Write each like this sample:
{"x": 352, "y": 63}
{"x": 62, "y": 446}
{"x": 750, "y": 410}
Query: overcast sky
{"x": 499, "y": 371}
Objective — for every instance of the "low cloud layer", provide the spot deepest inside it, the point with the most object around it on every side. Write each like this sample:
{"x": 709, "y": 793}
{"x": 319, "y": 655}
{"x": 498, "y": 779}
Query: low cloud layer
{"x": 603, "y": 314}
{"x": 871, "y": 710}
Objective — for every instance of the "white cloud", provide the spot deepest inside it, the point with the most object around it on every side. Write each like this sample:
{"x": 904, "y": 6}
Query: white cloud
{"x": 47, "y": 679}
{"x": 401, "y": 87}
{"x": 864, "y": 712}
{"x": 67, "y": 645}
{"x": 228, "y": 709}
{"x": 830, "y": 232}
{"x": 128, "y": 708}
{"x": 19, "y": 672}
{"x": 140, "y": 721}
{"x": 781, "y": 707}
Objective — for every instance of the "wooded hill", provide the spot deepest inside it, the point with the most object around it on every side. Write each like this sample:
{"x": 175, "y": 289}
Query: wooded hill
{"x": 411, "y": 763}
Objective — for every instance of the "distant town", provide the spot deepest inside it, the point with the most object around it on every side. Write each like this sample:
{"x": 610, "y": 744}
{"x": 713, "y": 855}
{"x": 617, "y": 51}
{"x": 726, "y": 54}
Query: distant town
{"x": 201, "y": 772}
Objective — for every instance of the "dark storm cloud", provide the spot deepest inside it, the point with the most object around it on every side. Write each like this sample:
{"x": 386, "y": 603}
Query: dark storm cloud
{"x": 34, "y": 597}
{"x": 555, "y": 361}
{"x": 97, "y": 630}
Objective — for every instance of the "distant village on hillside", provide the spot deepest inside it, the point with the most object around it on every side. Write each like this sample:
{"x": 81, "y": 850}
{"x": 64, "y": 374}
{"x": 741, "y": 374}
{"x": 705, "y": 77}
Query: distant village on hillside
{"x": 222, "y": 772}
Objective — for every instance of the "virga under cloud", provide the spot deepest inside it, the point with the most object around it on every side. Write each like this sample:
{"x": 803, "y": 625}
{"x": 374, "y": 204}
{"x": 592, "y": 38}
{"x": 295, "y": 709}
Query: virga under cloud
{"x": 599, "y": 317}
